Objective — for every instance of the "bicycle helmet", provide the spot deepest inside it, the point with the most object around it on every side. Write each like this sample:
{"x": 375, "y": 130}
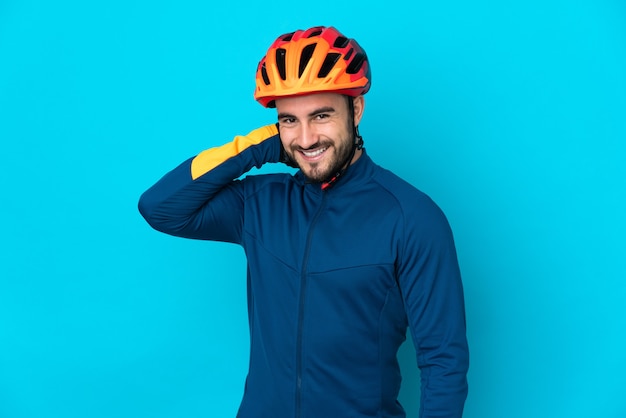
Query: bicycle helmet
{"x": 319, "y": 59}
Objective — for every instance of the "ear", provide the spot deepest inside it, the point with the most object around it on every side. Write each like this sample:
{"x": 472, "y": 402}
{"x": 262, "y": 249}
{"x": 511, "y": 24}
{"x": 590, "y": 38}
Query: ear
{"x": 359, "y": 106}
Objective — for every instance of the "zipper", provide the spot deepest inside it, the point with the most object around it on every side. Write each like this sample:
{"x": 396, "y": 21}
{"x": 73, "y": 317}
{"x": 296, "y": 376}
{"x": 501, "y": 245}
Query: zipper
{"x": 305, "y": 261}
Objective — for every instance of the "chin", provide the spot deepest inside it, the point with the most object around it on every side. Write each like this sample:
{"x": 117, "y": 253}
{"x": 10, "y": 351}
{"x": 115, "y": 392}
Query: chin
{"x": 319, "y": 171}
{"x": 318, "y": 176}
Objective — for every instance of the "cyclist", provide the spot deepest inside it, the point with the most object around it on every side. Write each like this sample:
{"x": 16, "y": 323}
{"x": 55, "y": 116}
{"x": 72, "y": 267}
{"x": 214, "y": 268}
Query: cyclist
{"x": 342, "y": 256}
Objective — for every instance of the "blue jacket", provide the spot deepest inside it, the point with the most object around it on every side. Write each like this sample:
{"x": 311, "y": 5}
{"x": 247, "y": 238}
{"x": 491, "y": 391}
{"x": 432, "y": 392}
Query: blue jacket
{"x": 334, "y": 278}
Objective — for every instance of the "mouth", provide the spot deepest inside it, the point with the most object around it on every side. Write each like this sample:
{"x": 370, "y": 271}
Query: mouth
{"x": 312, "y": 155}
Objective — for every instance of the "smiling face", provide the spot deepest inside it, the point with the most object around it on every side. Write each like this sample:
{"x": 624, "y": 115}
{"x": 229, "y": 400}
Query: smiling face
{"x": 316, "y": 132}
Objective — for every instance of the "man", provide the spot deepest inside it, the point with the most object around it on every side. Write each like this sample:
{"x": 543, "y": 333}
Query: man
{"x": 342, "y": 256}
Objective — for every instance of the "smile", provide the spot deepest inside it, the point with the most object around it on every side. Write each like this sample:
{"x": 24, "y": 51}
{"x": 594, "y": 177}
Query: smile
{"x": 314, "y": 153}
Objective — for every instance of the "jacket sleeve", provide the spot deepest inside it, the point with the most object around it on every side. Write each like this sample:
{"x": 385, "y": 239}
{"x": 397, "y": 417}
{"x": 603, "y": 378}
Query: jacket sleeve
{"x": 201, "y": 198}
{"x": 430, "y": 280}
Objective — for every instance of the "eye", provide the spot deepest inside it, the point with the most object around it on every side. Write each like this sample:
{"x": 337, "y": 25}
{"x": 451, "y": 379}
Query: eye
{"x": 321, "y": 116}
{"x": 286, "y": 121}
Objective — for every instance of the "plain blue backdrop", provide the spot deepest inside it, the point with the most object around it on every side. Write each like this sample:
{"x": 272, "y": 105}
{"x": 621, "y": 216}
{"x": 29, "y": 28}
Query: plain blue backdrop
{"x": 510, "y": 115}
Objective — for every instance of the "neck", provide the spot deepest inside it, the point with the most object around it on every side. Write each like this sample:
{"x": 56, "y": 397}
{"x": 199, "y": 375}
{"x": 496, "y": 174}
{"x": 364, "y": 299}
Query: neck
{"x": 357, "y": 155}
{"x": 354, "y": 155}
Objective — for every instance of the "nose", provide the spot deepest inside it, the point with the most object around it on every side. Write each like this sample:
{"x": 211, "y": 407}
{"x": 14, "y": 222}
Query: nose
{"x": 307, "y": 136}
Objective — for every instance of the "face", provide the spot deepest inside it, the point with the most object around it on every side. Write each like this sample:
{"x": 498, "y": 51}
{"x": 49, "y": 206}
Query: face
{"x": 316, "y": 132}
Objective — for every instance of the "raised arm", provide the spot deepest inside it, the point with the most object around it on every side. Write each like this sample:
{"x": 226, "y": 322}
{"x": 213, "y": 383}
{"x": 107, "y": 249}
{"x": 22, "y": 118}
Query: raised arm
{"x": 200, "y": 198}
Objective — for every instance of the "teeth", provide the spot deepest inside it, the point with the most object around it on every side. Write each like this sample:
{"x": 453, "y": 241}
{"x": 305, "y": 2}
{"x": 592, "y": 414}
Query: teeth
{"x": 313, "y": 153}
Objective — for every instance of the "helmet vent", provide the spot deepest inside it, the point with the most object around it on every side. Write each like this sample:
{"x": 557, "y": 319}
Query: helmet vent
{"x": 356, "y": 63}
{"x": 307, "y": 53}
{"x": 341, "y": 42}
{"x": 349, "y": 54}
{"x": 266, "y": 79}
{"x": 280, "y": 62}
{"x": 329, "y": 62}
{"x": 315, "y": 33}
{"x": 288, "y": 37}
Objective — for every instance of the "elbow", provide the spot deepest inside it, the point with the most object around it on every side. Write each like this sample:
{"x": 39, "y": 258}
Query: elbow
{"x": 161, "y": 216}
{"x": 147, "y": 209}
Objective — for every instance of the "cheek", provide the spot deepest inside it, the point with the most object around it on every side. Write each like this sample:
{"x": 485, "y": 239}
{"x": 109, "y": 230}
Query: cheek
{"x": 286, "y": 137}
{"x": 329, "y": 131}
{"x": 285, "y": 141}
{"x": 289, "y": 144}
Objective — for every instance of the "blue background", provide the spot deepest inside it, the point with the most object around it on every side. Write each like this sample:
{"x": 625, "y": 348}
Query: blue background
{"x": 511, "y": 115}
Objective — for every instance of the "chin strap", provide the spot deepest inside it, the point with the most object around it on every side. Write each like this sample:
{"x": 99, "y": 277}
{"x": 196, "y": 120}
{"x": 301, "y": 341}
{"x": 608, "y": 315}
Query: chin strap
{"x": 357, "y": 145}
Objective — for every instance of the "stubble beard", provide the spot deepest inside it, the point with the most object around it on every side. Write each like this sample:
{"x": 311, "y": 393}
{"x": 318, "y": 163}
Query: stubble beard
{"x": 321, "y": 172}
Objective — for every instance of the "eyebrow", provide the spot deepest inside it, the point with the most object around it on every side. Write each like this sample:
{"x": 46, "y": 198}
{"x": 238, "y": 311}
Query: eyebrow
{"x": 325, "y": 109}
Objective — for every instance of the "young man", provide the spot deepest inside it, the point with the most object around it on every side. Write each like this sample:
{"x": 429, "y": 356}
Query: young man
{"x": 342, "y": 256}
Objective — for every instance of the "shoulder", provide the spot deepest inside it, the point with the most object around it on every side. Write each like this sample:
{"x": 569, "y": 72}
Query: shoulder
{"x": 408, "y": 196}
{"x": 417, "y": 209}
